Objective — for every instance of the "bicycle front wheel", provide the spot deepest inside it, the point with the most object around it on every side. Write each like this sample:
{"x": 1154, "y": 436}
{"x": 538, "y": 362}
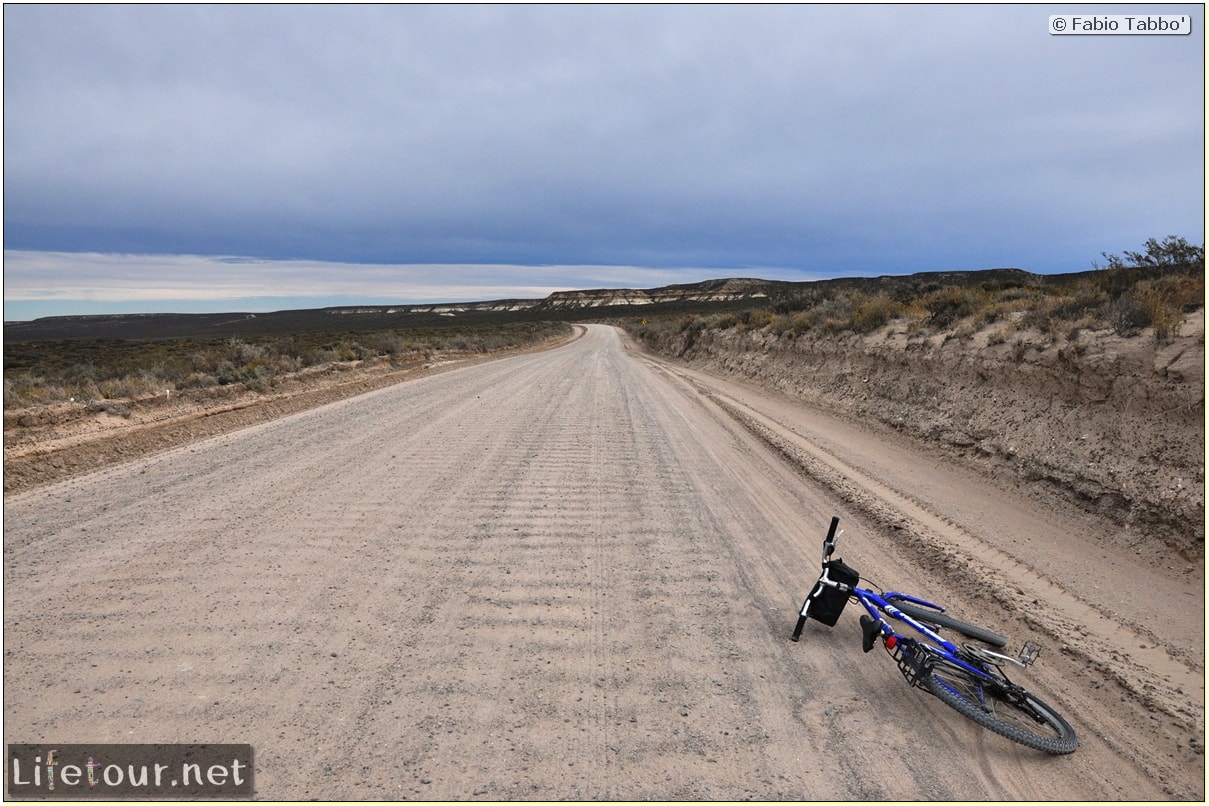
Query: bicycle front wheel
{"x": 1007, "y": 710}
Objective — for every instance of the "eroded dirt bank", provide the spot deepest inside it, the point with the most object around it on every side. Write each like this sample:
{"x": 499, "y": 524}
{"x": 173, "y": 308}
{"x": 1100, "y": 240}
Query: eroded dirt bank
{"x": 1113, "y": 425}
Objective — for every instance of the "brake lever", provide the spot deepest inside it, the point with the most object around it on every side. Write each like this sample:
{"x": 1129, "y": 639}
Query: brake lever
{"x": 829, "y": 545}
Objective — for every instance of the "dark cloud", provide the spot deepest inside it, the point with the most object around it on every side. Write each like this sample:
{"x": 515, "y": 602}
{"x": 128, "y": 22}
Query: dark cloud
{"x": 811, "y": 137}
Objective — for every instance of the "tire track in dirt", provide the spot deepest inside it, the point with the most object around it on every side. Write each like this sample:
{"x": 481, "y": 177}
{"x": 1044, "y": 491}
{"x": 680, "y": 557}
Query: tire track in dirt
{"x": 1063, "y": 616}
{"x": 1161, "y": 677}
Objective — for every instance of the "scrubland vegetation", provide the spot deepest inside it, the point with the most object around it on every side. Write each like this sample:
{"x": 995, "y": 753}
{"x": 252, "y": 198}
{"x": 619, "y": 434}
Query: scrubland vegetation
{"x": 98, "y": 372}
{"x": 1150, "y": 289}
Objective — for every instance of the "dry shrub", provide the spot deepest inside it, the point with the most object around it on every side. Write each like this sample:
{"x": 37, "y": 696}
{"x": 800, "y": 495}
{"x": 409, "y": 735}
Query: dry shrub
{"x": 872, "y": 312}
{"x": 952, "y": 303}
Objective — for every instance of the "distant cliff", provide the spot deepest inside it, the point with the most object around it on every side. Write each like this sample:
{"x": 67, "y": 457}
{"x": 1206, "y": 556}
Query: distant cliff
{"x": 711, "y": 291}
{"x": 559, "y": 305}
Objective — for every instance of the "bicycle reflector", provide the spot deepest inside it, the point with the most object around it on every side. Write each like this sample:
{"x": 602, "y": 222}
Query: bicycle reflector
{"x": 891, "y": 641}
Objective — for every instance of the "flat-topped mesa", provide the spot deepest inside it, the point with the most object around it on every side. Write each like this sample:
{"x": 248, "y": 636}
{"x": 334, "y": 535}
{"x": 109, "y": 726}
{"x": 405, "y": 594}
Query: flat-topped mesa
{"x": 712, "y": 291}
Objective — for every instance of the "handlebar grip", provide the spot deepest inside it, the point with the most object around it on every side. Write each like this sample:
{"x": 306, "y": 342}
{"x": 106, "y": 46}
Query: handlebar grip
{"x": 829, "y": 541}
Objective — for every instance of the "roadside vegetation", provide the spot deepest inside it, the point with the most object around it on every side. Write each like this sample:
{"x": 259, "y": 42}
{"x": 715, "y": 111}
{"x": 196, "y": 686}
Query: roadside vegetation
{"x": 97, "y": 373}
{"x": 1153, "y": 289}
{"x": 1150, "y": 289}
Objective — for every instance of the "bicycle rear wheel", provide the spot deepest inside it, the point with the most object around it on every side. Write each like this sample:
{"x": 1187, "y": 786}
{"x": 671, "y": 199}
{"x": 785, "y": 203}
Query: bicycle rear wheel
{"x": 929, "y": 616}
{"x": 1007, "y": 710}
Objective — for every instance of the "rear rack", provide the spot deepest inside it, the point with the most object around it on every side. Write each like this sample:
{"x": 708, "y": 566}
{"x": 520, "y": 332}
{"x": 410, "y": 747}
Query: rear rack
{"x": 913, "y": 661}
{"x": 1027, "y": 655}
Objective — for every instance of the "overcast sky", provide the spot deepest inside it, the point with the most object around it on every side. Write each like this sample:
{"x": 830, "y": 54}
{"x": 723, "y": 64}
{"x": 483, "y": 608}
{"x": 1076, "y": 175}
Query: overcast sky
{"x": 190, "y": 158}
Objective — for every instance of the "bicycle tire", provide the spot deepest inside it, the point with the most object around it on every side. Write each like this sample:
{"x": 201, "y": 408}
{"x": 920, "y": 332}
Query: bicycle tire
{"x": 929, "y": 616}
{"x": 1015, "y": 715}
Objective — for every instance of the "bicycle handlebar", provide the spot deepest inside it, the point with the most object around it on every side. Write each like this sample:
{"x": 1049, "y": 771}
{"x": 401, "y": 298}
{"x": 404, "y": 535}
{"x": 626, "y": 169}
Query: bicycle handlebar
{"x": 830, "y": 540}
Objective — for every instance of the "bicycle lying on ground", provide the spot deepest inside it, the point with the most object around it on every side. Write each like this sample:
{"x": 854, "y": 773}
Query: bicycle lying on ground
{"x": 969, "y": 678}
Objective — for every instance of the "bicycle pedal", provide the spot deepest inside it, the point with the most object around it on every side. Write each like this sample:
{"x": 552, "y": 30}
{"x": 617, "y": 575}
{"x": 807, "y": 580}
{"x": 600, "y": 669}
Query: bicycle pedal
{"x": 1029, "y": 653}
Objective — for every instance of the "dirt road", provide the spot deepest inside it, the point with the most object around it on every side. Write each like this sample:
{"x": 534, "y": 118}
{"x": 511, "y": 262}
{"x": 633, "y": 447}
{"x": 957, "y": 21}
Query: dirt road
{"x": 573, "y": 575}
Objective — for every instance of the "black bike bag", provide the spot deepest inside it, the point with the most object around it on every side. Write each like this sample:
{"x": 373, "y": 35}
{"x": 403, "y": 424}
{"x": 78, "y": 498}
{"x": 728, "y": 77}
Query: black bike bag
{"x": 829, "y": 604}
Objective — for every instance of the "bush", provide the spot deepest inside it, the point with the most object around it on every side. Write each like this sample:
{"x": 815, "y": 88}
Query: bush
{"x": 757, "y": 318}
{"x": 1086, "y": 301}
{"x": 1160, "y": 304}
{"x": 1172, "y": 252}
{"x": 872, "y": 312}
{"x": 197, "y": 380}
{"x": 1127, "y": 314}
{"x": 108, "y": 406}
{"x": 949, "y": 304}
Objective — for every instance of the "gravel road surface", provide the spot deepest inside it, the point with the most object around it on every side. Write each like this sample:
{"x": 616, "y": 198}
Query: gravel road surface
{"x": 573, "y": 575}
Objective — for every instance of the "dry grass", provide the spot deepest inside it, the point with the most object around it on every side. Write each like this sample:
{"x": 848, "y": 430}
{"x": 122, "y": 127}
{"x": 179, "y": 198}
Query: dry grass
{"x": 1126, "y": 299}
{"x": 90, "y": 372}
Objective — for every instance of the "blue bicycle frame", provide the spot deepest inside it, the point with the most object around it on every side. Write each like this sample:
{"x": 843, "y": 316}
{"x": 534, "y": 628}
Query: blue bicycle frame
{"x": 876, "y": 604}
{"x": 914, "y": 657}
